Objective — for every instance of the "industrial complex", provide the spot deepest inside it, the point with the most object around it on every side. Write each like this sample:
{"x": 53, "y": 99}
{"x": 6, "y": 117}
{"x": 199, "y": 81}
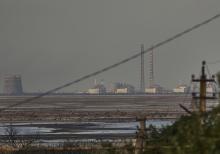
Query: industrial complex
{"x": 12, "y": 84}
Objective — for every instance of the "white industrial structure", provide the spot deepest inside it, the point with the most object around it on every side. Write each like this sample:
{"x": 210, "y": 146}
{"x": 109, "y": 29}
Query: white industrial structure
{"x": 153, "y": 89}
{"x": 180, "y": 89}
{"x": 123, "y": 88}
{"x": 97, "y": 89}
{"x": 210, "y": 88}
{"x": 124, "y": 91}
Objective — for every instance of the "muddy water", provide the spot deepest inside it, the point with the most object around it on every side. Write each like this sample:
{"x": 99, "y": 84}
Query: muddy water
{"x": 57, "y": 132}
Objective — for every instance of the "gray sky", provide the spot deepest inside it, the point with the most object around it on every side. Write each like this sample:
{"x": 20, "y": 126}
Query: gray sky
{"x": 50, "y": 42}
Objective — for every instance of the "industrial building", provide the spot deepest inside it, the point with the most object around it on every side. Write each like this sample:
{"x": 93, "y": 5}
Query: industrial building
{"x": 123, "y": 88}
{"x": 12, "y": 85}
{"x": 210, "y": 88}
{"x": 154, "y": 89}
{"x": 97, "y": 89}
{"x": 181, "y": 89}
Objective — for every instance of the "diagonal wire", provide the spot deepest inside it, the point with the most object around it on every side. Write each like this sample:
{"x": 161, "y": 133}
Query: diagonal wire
{"x": 116, "y": 64}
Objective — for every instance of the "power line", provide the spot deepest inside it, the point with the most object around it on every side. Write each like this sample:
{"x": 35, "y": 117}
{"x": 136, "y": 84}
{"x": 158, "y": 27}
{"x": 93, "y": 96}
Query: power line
{"x": 118, "y": 63}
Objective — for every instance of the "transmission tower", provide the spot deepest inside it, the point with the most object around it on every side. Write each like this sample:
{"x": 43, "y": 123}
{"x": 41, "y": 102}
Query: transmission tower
{"x": 142, "y": 84}
{"x": 151, "y": 68}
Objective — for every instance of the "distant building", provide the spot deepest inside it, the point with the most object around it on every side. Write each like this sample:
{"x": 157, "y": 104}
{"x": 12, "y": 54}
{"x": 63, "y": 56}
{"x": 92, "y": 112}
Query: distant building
{"x": 123, "y": 88}
{"x": 97, "y": 89}
{"x": 154, "y": 89}
{"x": 180, "y": 89}
{"x": 124, "y": 91}
{"x": 210, "y": 88}
{"x": 151, "y": 90}
{"x": 12, "y": 85}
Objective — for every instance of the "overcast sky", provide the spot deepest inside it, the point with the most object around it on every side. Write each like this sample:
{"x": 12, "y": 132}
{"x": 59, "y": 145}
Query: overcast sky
{"x": 51, "y": 42}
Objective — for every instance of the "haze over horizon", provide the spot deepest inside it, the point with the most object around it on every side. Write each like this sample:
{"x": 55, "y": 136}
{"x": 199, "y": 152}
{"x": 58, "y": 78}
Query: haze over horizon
{"x": 51, "y": 42}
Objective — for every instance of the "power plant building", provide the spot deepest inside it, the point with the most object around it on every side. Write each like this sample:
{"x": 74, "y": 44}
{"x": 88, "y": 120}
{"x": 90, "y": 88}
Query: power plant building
{"x": 180, "y": 89}
{"x": 124, "y": 91}
{"x": 151, "y": 90}
{"x": 97, "y": 89}
{"x": 154, "y": 89}
{"x": 210, "y": 88}
{"x": 122, "y": 88}
{"x": 12, "y": 85}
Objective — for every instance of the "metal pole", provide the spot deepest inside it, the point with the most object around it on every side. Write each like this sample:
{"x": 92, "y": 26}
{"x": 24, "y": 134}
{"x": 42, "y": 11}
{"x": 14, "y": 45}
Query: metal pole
{"x": 140, "y": 139}
{"x": 203, "y": 89}
{"x": 142, "y": 86}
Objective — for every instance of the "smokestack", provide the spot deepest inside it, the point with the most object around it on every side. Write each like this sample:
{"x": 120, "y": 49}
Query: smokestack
{"x": 142, "y": 84}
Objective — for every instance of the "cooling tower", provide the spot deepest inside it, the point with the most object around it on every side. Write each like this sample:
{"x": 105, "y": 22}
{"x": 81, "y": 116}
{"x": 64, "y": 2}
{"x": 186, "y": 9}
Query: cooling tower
{"x": 12, "y": 85}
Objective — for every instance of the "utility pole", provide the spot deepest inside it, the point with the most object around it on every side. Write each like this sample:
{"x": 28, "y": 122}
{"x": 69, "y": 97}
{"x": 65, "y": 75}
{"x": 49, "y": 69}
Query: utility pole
{"x": 142, "y": 84}
{"x": 140, "y": 136}
{"x": 203, "y": 80}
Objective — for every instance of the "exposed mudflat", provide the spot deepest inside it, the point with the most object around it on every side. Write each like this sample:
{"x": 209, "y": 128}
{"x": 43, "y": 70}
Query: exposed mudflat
{"x": 93, "y": 107}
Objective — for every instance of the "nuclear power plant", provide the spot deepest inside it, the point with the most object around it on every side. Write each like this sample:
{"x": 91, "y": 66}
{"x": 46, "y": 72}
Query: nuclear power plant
{"x": 12, "y": 85}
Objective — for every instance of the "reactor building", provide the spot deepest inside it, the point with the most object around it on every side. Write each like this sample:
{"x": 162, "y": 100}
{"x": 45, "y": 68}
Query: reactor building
{"x": 123, "y": 88}
{"x": 97, "y": 89}
{"x": 12, "y": 85}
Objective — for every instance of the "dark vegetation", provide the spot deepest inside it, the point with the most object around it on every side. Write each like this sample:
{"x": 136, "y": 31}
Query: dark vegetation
{"x": 189, "y": 135}
{"x": 195, "y": 134}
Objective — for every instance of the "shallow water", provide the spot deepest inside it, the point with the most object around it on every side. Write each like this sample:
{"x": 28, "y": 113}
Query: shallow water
{"x": 78, "y": 127}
